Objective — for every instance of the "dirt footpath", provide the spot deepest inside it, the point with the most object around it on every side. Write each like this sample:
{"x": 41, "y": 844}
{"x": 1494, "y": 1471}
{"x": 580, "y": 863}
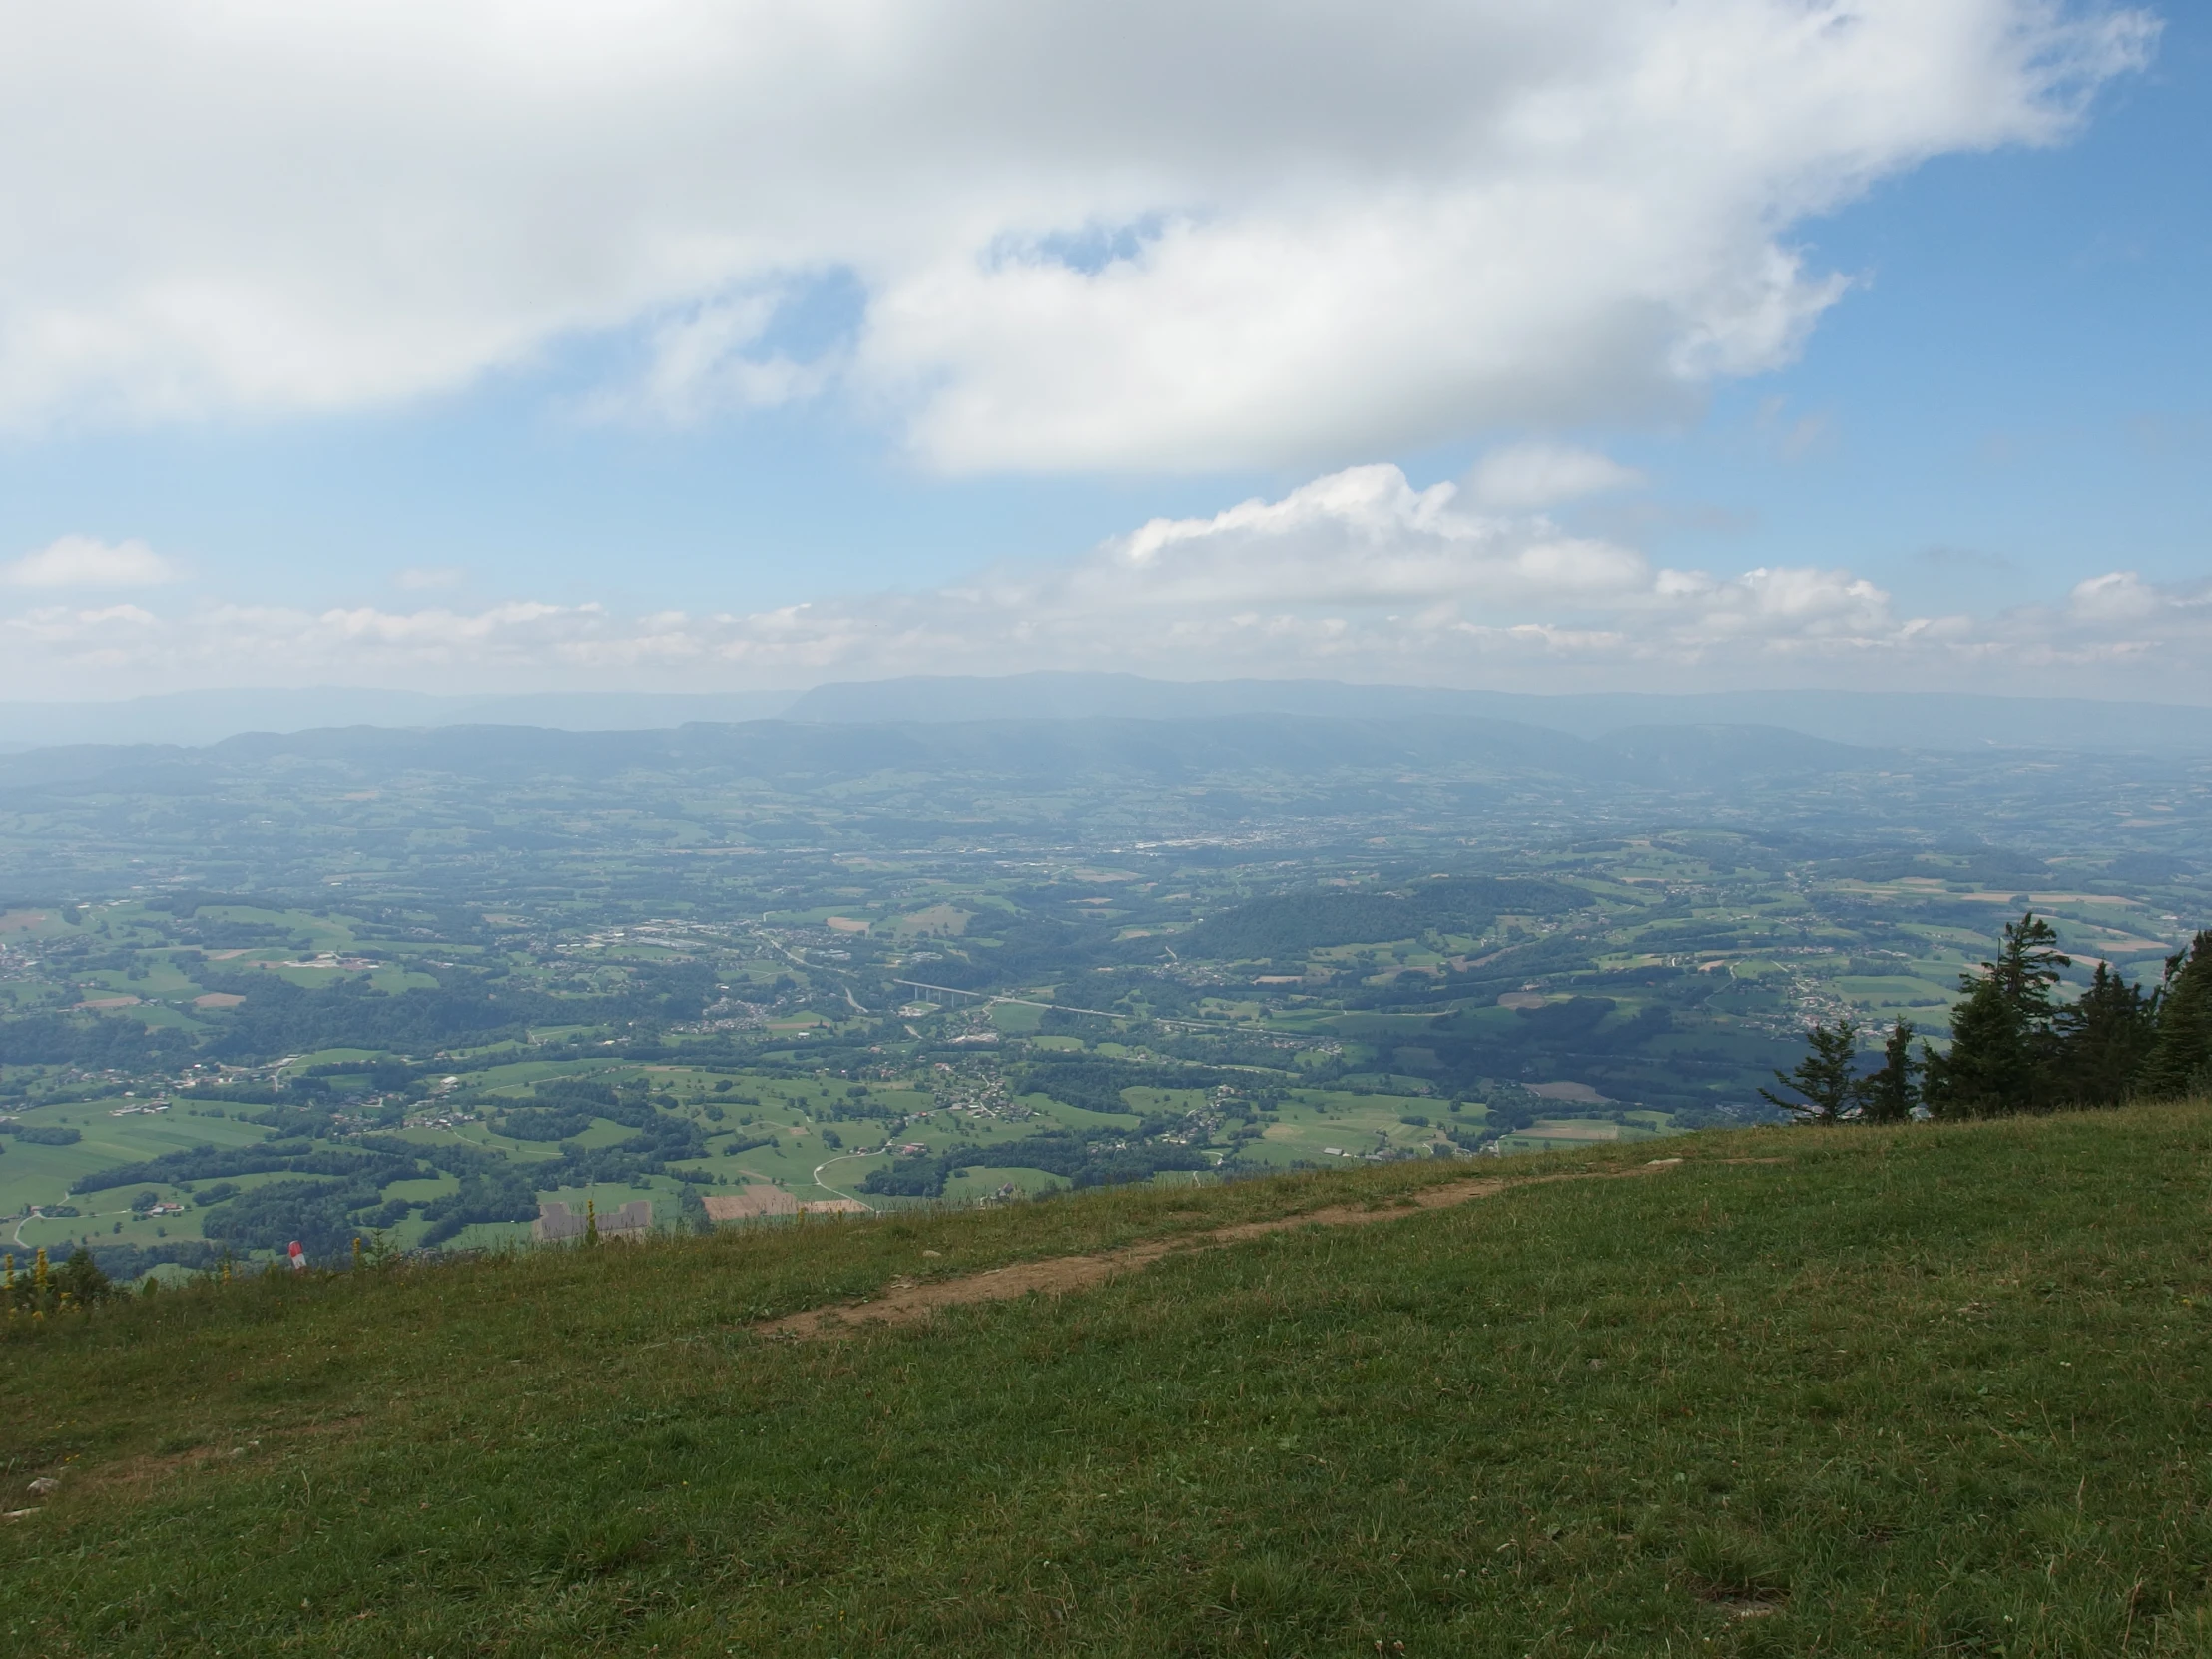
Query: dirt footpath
{"x": 908, "y": 1303}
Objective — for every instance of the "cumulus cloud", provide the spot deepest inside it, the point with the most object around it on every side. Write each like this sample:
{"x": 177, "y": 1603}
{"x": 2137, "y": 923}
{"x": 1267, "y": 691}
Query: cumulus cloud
{"x": 1147, "y": 234}
{"x": 1543, "y": 475}
{"x": 1360, "y": 574}
{"x": 1358, "y": 538}
{"x": 87, "y": 562}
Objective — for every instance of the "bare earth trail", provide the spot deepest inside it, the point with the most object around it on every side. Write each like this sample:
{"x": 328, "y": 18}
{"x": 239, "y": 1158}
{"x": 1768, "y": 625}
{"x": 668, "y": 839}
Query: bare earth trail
{"x": 907, "y": 1303}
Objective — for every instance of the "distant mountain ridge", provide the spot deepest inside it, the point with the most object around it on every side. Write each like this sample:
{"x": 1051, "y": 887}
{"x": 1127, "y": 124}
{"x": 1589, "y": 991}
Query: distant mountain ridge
{"x": 1884, "y": 720}
{"x": 204, "y": 717}
{"x": 794, "y": 751}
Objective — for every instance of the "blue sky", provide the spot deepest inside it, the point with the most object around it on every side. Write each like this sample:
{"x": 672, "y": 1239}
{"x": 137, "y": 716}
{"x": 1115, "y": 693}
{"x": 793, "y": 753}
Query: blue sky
{"x": 2005, "y": 400}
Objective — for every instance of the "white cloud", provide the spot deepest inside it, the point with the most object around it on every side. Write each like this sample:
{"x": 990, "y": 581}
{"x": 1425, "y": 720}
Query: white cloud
{"x": 1358, "y": 574}
{"x": 1132, "y": 235}
{"x": 710, "y": 359}
{"x": 87, "y": 562}
{"x": 1529, "y": 475}
{"x": 2120, "y": 598}
{"x": 1361, "y": 537}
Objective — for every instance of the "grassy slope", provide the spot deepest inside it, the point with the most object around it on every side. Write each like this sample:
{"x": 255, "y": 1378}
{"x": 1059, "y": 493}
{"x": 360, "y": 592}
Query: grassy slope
{"x": 1932, "y": 1389}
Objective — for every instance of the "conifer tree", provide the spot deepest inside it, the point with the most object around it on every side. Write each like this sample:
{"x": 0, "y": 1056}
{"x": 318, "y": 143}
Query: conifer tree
{"x": 2182, "y": 1059}
{"x": 1889, "y": 1094}
{"x": 1988, "y": 1071}
{"x": 2028, "y": 965}
{"x": 2004, "y": 1048}
{"x": 2104, "y": 1041}
{"x": 1828, "y": 1076}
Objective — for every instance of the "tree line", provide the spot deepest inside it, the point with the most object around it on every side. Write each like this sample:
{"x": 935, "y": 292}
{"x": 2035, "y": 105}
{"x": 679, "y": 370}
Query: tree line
{"x": 2014, "y": 1049}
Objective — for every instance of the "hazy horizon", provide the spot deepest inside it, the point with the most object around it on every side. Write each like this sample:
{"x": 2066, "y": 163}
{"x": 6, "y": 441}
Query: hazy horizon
{"x": 1875, "y": 719}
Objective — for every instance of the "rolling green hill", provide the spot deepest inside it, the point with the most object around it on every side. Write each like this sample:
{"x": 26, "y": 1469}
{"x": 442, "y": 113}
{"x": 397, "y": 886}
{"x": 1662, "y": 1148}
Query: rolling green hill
{"x": 1938, "y": 1388}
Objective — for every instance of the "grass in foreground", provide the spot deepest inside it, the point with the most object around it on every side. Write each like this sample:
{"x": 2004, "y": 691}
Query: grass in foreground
{"x": 1936, "y": 1390}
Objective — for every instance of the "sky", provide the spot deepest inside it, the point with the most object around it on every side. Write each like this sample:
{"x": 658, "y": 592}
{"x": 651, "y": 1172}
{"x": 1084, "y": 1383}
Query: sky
{"x": 1610, "y": 344}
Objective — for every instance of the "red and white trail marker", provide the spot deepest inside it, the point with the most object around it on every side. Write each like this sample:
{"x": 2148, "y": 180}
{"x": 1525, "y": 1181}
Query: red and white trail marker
{"x": 299, "y": 1258}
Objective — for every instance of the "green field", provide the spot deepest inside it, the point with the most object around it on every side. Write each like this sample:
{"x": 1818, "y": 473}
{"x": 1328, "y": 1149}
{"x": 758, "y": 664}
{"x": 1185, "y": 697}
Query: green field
{"x": 804, "y": 1127}
{"x": 31, "y": 1174}
{"x": 1936, "y": 1389}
